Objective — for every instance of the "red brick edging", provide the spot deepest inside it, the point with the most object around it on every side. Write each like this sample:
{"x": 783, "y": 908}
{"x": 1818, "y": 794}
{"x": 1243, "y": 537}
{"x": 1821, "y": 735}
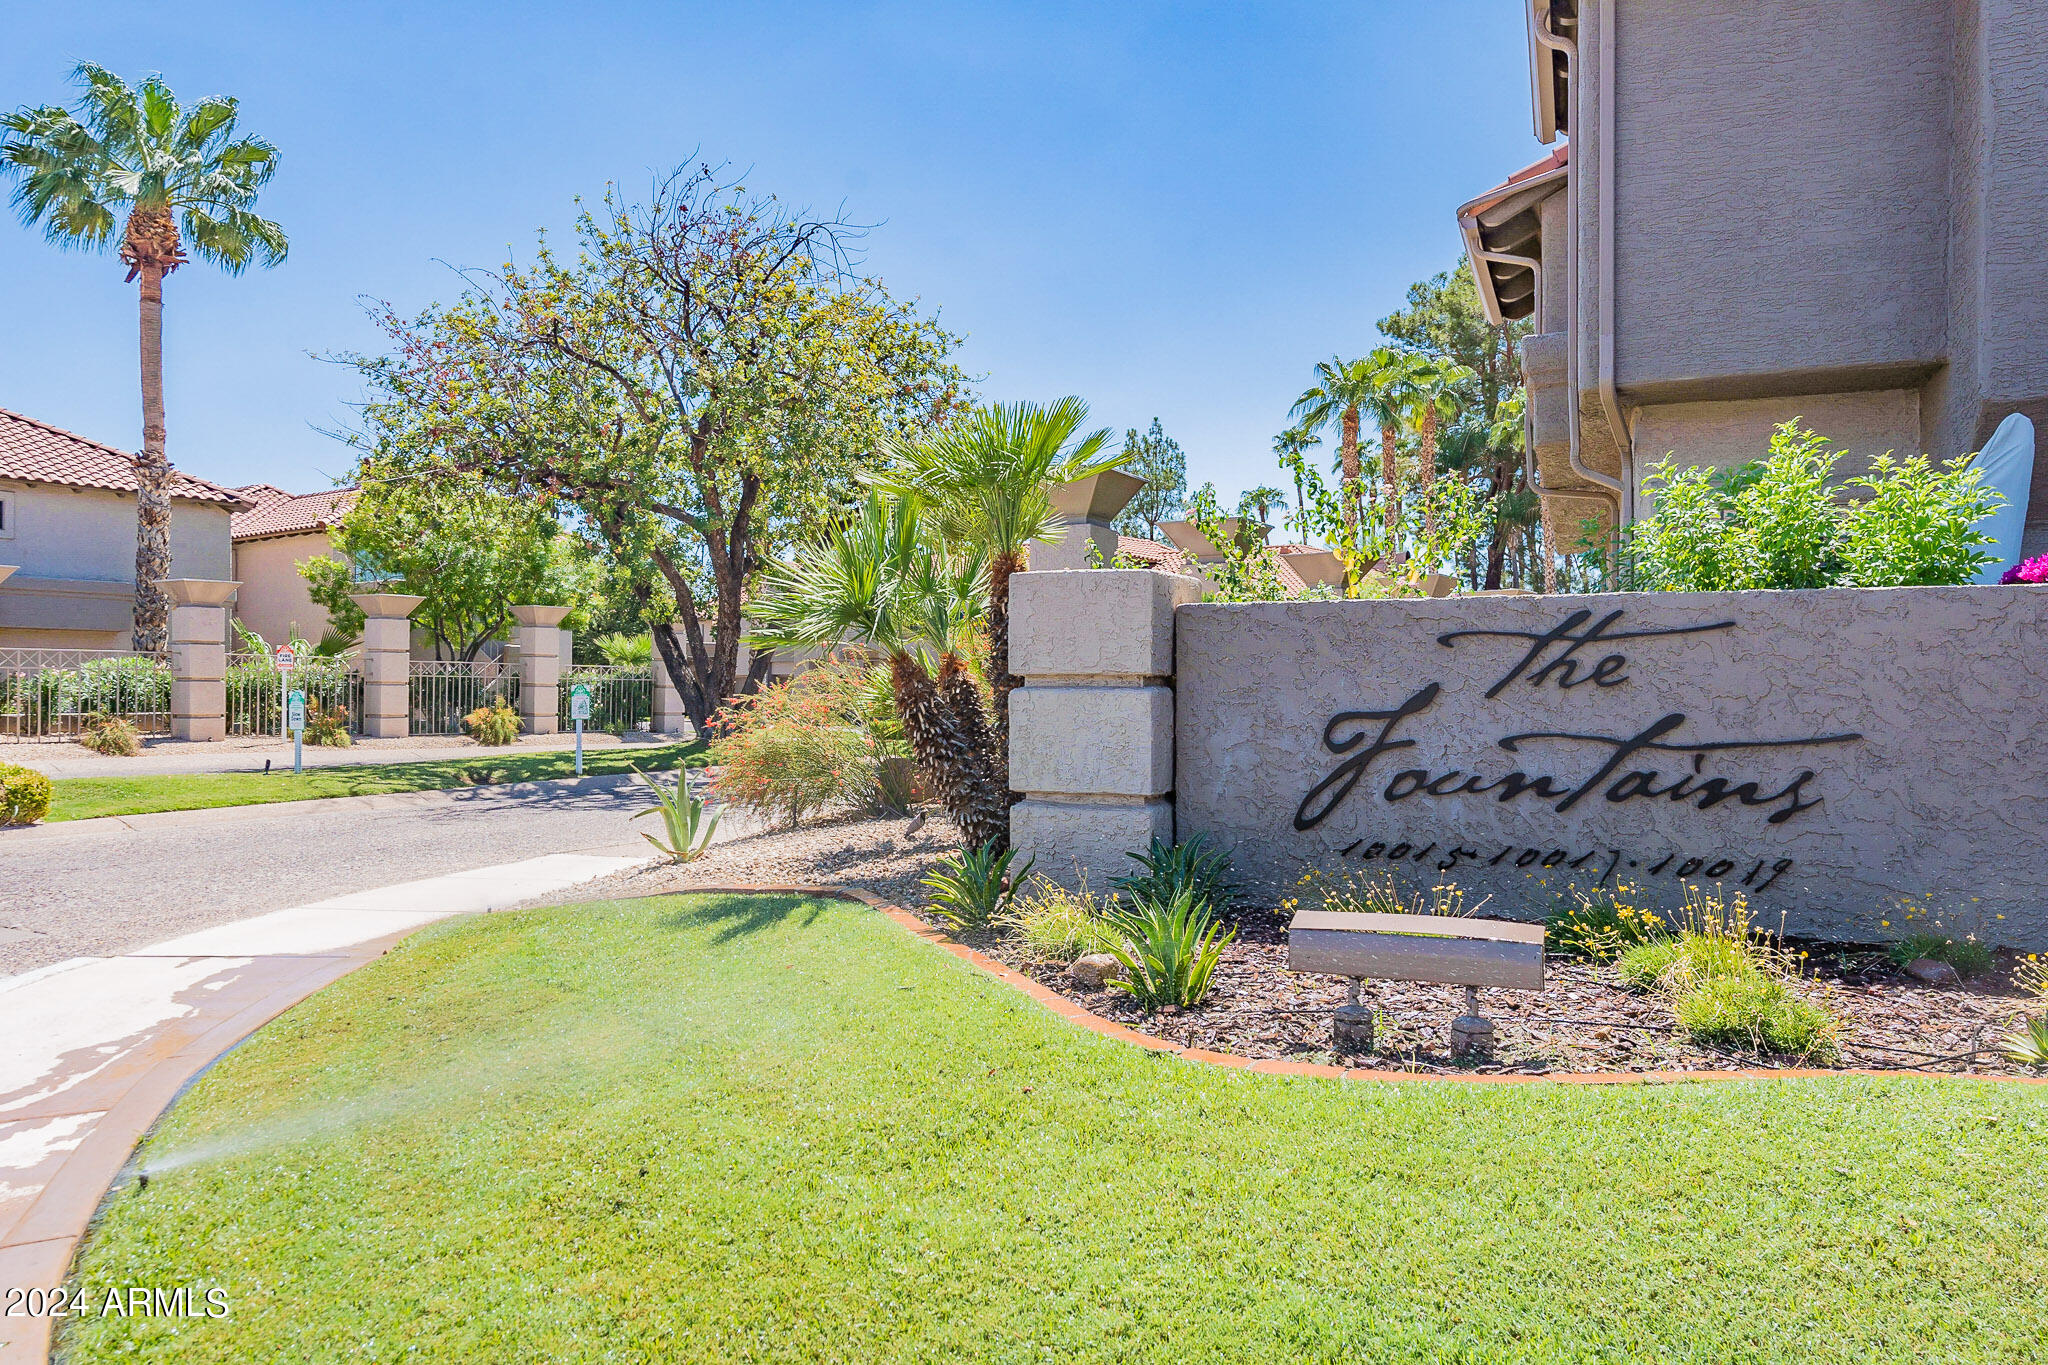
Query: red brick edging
{"x": 1095, "y": 1023}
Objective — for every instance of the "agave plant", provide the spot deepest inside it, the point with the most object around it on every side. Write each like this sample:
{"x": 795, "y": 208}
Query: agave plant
{"x": 687, "y": 828}
{"x": 1169, "y": 949}
{"x": 2027, "y": 1043}
{"x": 1192, "y": 866}
{"x": 971, "y": 889}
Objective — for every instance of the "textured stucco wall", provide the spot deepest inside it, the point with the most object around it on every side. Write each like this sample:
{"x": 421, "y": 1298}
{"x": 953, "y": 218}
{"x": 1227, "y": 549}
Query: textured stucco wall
{"x": 1725, "y": 434}
{"x": 1780, "y": 189}
{"x": 1939, "y": 798}
{"x": 274, "y": 596}
{"x": 90, "y": 535}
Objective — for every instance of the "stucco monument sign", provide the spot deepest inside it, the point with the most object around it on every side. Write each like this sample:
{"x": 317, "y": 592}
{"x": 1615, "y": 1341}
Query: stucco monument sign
{"x": 1830, "y": 753}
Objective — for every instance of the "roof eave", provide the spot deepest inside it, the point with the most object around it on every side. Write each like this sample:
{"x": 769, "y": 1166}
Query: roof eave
{"x": 1475, "y": 246}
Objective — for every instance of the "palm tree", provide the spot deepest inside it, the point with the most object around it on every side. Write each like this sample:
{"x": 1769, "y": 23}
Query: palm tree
{"x": 1288, "y": 447}
{"x": 884, "y": 581}
{"x": 1436, "y": 392}
{"x": 985, "y": 478}
{"x": 1339, "y": 395}
{"x": 133, "y": 151}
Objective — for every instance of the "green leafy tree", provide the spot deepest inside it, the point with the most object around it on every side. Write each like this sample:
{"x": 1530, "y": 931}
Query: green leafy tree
{"x": 1158, "y": 459}
{"x": 985, "y": 478}
{"x": 168, "y": 177}
{"x": 698, "y": 384}
{"x": 470, "y": 553}
{"x": 1445, "y": 322}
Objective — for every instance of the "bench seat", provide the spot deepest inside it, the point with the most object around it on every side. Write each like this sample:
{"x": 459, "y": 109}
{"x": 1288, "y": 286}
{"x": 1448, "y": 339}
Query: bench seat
{"x": 1446, "y": 949}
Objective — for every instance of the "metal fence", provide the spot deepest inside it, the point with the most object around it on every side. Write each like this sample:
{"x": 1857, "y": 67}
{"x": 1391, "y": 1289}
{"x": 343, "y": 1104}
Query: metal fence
{"x": 50, "y": 694}
{"x": 443, "y": 691}
{"x": 621, "y": 696}
{"x": 256, "y": 691}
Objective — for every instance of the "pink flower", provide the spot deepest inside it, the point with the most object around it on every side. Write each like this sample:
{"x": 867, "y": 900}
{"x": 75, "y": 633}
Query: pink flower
{"x": 2034, "y": 570}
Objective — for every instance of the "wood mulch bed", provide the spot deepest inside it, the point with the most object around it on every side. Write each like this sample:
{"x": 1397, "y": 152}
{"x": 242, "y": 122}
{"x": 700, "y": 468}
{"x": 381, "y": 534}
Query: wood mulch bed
{"x": 1582, "y": 1021}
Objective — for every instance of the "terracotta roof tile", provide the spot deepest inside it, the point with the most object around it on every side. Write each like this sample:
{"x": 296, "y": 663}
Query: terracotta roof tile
{"x": 278, "y": 513}
{"x": 36, "y": 452}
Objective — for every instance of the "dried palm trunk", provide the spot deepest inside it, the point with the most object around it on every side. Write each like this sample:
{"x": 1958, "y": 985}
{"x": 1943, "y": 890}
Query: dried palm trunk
{"x": 952, "y": 746}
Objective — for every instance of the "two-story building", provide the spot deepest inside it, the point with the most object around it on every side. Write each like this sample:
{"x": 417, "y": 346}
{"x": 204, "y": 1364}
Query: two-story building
{"x": 67, "y": 530}
{"x": 1813, "y": 208}
{"x": 272, "y": 538}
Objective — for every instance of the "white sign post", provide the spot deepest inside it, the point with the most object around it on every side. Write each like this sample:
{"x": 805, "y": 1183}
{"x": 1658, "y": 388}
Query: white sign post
{"x": 295, "y": 719}
{"x": 579, "y": 711}
{"x": 287, "y": 660}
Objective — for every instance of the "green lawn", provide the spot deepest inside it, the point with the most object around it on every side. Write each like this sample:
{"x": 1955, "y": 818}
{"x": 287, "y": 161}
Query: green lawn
{"x": 727, "y": 1128}
{"x": 81, "y": 798}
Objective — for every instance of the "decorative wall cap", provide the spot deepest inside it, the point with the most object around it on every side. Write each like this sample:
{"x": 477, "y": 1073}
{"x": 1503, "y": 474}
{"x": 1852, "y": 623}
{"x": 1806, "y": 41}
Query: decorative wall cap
{"x": 7, "y": 571}
{"x": 1099, "y": 497}
{"x": 543, "y": 616}
{"x": 385, "y": 606}
{"x": 198, "y": 592}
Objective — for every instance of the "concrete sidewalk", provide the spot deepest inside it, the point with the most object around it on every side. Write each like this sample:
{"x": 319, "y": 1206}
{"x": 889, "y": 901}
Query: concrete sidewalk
{"x": 241, "y": 756}
{"x": 93, "y": 1049}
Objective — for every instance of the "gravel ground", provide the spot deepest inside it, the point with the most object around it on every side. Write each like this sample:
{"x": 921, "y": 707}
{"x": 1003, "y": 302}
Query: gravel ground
{"x": 874, "y": 854}
{"x": 1583, "y": 1020}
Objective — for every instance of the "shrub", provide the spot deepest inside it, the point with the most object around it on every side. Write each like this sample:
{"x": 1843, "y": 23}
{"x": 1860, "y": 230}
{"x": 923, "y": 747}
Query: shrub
{"x": 1918, "y": 527}
{"x": 132, "y": 683}
{"x": 1644, "y": 965}
{"x": 1601, "y": 924}
{"x": 1780, "y": 523}
{"x": 492, "y": 723}
{"x": 974, "y": 887}
{"x": 110, "y": 735}
{"x": 810, "y": 744}
{"x": 622, "y": 648}
{"x": 1058, "y": 925}
{"x": 2034, "y": 570}
{"x": 2028, "y": 1040}
{"x": 24, "y": 795}
{"x": 687, "y": 832}
{"x": 327, "y": 726}
{"x": 1756, "y": 1011}
{"x": 1169, "y": 949}
{"x": 1169, "y": 869}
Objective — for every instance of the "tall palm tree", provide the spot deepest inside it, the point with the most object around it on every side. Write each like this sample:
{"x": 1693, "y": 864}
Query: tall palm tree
{"x": 985, "y": 478}
{"x": 1436, "y": 393}
{"x": 132, "y": 157}
{"x": 1339, "y": 396}
{"x": 1289, "y": 446}
{"x": 882, "y": 580}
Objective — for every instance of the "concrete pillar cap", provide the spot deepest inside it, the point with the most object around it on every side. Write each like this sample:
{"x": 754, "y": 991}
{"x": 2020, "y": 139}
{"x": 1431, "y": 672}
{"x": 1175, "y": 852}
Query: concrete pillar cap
{"x": 386, "y": 605}
{"x": 6, "y": 569}
{"x": 536, "y": 615}
{"x": 196, "y": 592}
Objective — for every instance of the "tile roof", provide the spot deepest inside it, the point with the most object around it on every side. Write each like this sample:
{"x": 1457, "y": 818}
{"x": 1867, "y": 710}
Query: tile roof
{"x": 1169, "y": 558}
{"x": 36, "y": 452}
{"x": 278, "y": 513}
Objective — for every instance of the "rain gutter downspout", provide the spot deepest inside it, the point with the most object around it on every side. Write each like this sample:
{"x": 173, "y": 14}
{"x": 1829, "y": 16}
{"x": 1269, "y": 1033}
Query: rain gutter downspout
{"x": 1618, "y": 426}
{"x": 1571, "y": 247}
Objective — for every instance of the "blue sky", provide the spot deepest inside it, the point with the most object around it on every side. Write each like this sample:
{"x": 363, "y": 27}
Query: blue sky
{"x": 1171, "y": 209}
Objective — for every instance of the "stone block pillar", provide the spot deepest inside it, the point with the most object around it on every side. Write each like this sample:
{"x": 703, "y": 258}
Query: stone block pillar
{"x": 540, "y": 666}
{"x": 1091, "y": 730}
{"x": 199, "y": 656}
{"x": 387, "y": 662}
{"x": 669, "y": 718}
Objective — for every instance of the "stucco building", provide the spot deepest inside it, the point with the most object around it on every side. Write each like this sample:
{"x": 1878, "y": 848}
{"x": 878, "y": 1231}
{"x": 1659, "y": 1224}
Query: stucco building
{"x": 279, "y": 531}
{"x": 67, "y": 530}
{"x": 1821, "y": 208}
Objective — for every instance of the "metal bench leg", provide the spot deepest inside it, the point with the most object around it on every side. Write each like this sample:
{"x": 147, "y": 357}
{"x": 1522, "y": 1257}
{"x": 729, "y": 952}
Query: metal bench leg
{"x": 1471, "y": 1032}
{"x": 1352, "y": 1029}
